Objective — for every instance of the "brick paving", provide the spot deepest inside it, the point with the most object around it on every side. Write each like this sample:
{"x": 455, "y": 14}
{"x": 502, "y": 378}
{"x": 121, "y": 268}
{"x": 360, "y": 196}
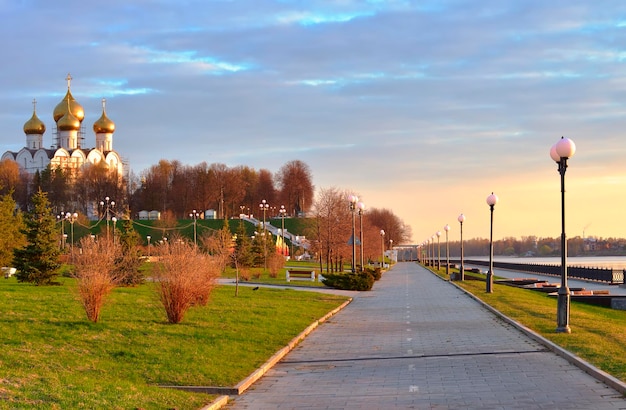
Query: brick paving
{"x": 417, "y": 342}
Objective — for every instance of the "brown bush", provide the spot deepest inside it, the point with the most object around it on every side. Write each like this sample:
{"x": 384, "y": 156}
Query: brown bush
{"x": 275, "y": 262}
{"x": 94, "y": 266}
{"x": 184, "y": 278}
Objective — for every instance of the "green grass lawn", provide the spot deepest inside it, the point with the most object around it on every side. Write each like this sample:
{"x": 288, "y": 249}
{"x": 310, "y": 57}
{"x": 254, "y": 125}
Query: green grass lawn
{"x": 280, "y": 279}
{"x": 598, "y": 333}
{"x": 52, "y": 357}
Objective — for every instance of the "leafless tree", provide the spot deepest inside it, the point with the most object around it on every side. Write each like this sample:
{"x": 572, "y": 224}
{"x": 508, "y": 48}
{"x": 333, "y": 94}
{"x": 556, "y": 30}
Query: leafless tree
{"x": 296, "y": 187}
{"x": 330, "y": 229}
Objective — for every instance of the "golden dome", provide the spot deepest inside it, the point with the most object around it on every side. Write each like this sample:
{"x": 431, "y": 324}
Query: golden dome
{"x": 68, "y": 122}
{"x": 104, "y": 124}
{"x": 68, "y": 103}
{"x": 34, "y": 125}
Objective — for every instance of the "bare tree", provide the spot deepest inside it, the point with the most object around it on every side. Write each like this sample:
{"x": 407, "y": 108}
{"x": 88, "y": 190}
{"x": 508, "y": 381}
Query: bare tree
{"x": 331, "y": 226}
{"x": 395, "y": 229}
{"x": 296, "y": 187}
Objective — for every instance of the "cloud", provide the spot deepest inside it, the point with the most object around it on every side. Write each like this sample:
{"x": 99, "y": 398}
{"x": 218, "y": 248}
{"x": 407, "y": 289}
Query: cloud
{"x": 422, "y": 107}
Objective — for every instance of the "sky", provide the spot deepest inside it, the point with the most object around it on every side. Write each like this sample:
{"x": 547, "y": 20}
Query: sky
{"x": 421, "y": 107}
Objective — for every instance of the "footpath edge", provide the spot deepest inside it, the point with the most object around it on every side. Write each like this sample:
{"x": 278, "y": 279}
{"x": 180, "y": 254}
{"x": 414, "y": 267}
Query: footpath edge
{"x": 271, "y": 362}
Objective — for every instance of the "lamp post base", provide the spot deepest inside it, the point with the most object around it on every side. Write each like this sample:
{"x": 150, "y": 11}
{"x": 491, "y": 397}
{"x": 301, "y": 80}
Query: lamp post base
{"x": 489, "y": 287}
{"x": 562, "y": 311}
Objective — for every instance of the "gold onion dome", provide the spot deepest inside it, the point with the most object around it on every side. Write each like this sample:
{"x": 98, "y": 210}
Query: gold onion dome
{"x": 104, "y": 124}
{"x": 34, "y": 125}
{"x": 68, "y": 103}
{"x": 68, "y": 122}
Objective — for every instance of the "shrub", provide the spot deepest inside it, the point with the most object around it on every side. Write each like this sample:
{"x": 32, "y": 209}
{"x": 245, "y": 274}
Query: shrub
{"x": 94, "y": 275}
{"x": 244, "y": 274}
{"x": 275, "y": 262}
{"x": 184, "y": 278}
{"x": 349, "y": 281}
{"x": 375, "y": 272}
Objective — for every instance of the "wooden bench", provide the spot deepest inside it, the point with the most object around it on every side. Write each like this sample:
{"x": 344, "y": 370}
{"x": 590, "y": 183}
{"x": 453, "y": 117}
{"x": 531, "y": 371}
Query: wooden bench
{"x": 8, "y": 271}
{"x": 300, "y": 274}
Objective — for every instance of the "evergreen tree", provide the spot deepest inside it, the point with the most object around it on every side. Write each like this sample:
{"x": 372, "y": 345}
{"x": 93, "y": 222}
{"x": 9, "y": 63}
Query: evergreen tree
{"x": 38, "y": 261}
{"x": 242, "y": 254}
{"x": 128, "y": 262}
{"x": 11, "y": 224}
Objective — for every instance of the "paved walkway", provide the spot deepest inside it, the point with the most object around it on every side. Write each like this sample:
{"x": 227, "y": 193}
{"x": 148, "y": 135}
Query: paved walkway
{"x": 416, "y": 341}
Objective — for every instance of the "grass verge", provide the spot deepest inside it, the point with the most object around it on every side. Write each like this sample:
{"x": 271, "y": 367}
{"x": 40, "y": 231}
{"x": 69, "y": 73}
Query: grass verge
{"x": 52, "y": 357}
{"x": 260, "y": 275}
{"x": 597, "y": 332}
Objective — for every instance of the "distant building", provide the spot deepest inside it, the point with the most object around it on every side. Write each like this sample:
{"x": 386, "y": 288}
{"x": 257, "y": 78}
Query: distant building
{"x": 67, "y": 151}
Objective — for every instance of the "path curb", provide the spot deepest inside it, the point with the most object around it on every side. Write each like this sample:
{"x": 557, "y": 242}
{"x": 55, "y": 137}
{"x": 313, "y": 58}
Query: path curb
{"x": 257, "y": 374}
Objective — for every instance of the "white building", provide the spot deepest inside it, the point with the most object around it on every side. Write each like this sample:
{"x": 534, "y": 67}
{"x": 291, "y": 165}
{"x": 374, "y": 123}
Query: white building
{"x": 66, "y": 151}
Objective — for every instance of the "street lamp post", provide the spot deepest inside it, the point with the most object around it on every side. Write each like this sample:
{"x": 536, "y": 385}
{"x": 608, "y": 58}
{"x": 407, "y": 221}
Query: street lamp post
{"x": 114, "y": 220}
{"x": 492, "y": 200}
{"x": 194, "y": 214}
{"x": 361, "y": 207}
{"x": 107, "y": 204}
{"x": 382, "y": 242}
{"x": 560, "y": 153}
{"x": 432, "y": 247}
{"x": 447, "y": 228}
{"x": 438, "y": 250}
{"x": 264, "y": 206}
{"x": 61, "y": 217}
{"x": 71, "y": 218}
{"x": 148, "y": 238}
{"x": 353, "y": 199}
{"x": 461, "y": 277}
{"x": 282, "y": 211}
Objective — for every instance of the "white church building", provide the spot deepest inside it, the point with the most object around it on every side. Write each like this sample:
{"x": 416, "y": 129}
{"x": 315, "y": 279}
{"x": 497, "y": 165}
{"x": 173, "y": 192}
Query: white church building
{"x": 67, "y": 151}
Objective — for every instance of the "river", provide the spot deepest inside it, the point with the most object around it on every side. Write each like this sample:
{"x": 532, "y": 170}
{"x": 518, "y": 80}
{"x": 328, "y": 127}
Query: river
{"x": 613, "y": 262}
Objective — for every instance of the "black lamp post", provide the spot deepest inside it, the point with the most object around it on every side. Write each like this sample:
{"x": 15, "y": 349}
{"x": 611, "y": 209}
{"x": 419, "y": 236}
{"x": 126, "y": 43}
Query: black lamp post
{"x": 353, "y": 199}
{"x": 382, "y": 243}
{"x": 71, "y": 218}
{"x": 282, "y": 211}
{"x": 114, "y": 220}
{"x": 361, "y": 207}
{"x": 438, "y": 250}
{"x": 560, "y": 153}
{"x": 61, "y": 217}
{"x": 194, "y": 214}
{"x": 492, "y": 200}
{"x": 447, "y": 229}
{"x": 264, "y": 206}
{"x": 107, "y": 204}
{"x": 461, "y": 277}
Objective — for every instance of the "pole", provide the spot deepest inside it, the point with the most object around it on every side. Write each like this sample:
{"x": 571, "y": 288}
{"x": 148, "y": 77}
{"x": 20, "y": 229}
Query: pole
{"x": 489, "y": 281}
{"x": 447, "y": 253}
{"x": 353, "y": 240}
{"x": 438, "y": 251}
{"x": 462, "y": 270}
{"x": 563, "y": 301}
{"x": 361, "y": 235}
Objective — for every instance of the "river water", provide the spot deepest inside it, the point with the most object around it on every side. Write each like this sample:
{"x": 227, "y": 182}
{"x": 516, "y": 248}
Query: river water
{"x": 613, "y": 262}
